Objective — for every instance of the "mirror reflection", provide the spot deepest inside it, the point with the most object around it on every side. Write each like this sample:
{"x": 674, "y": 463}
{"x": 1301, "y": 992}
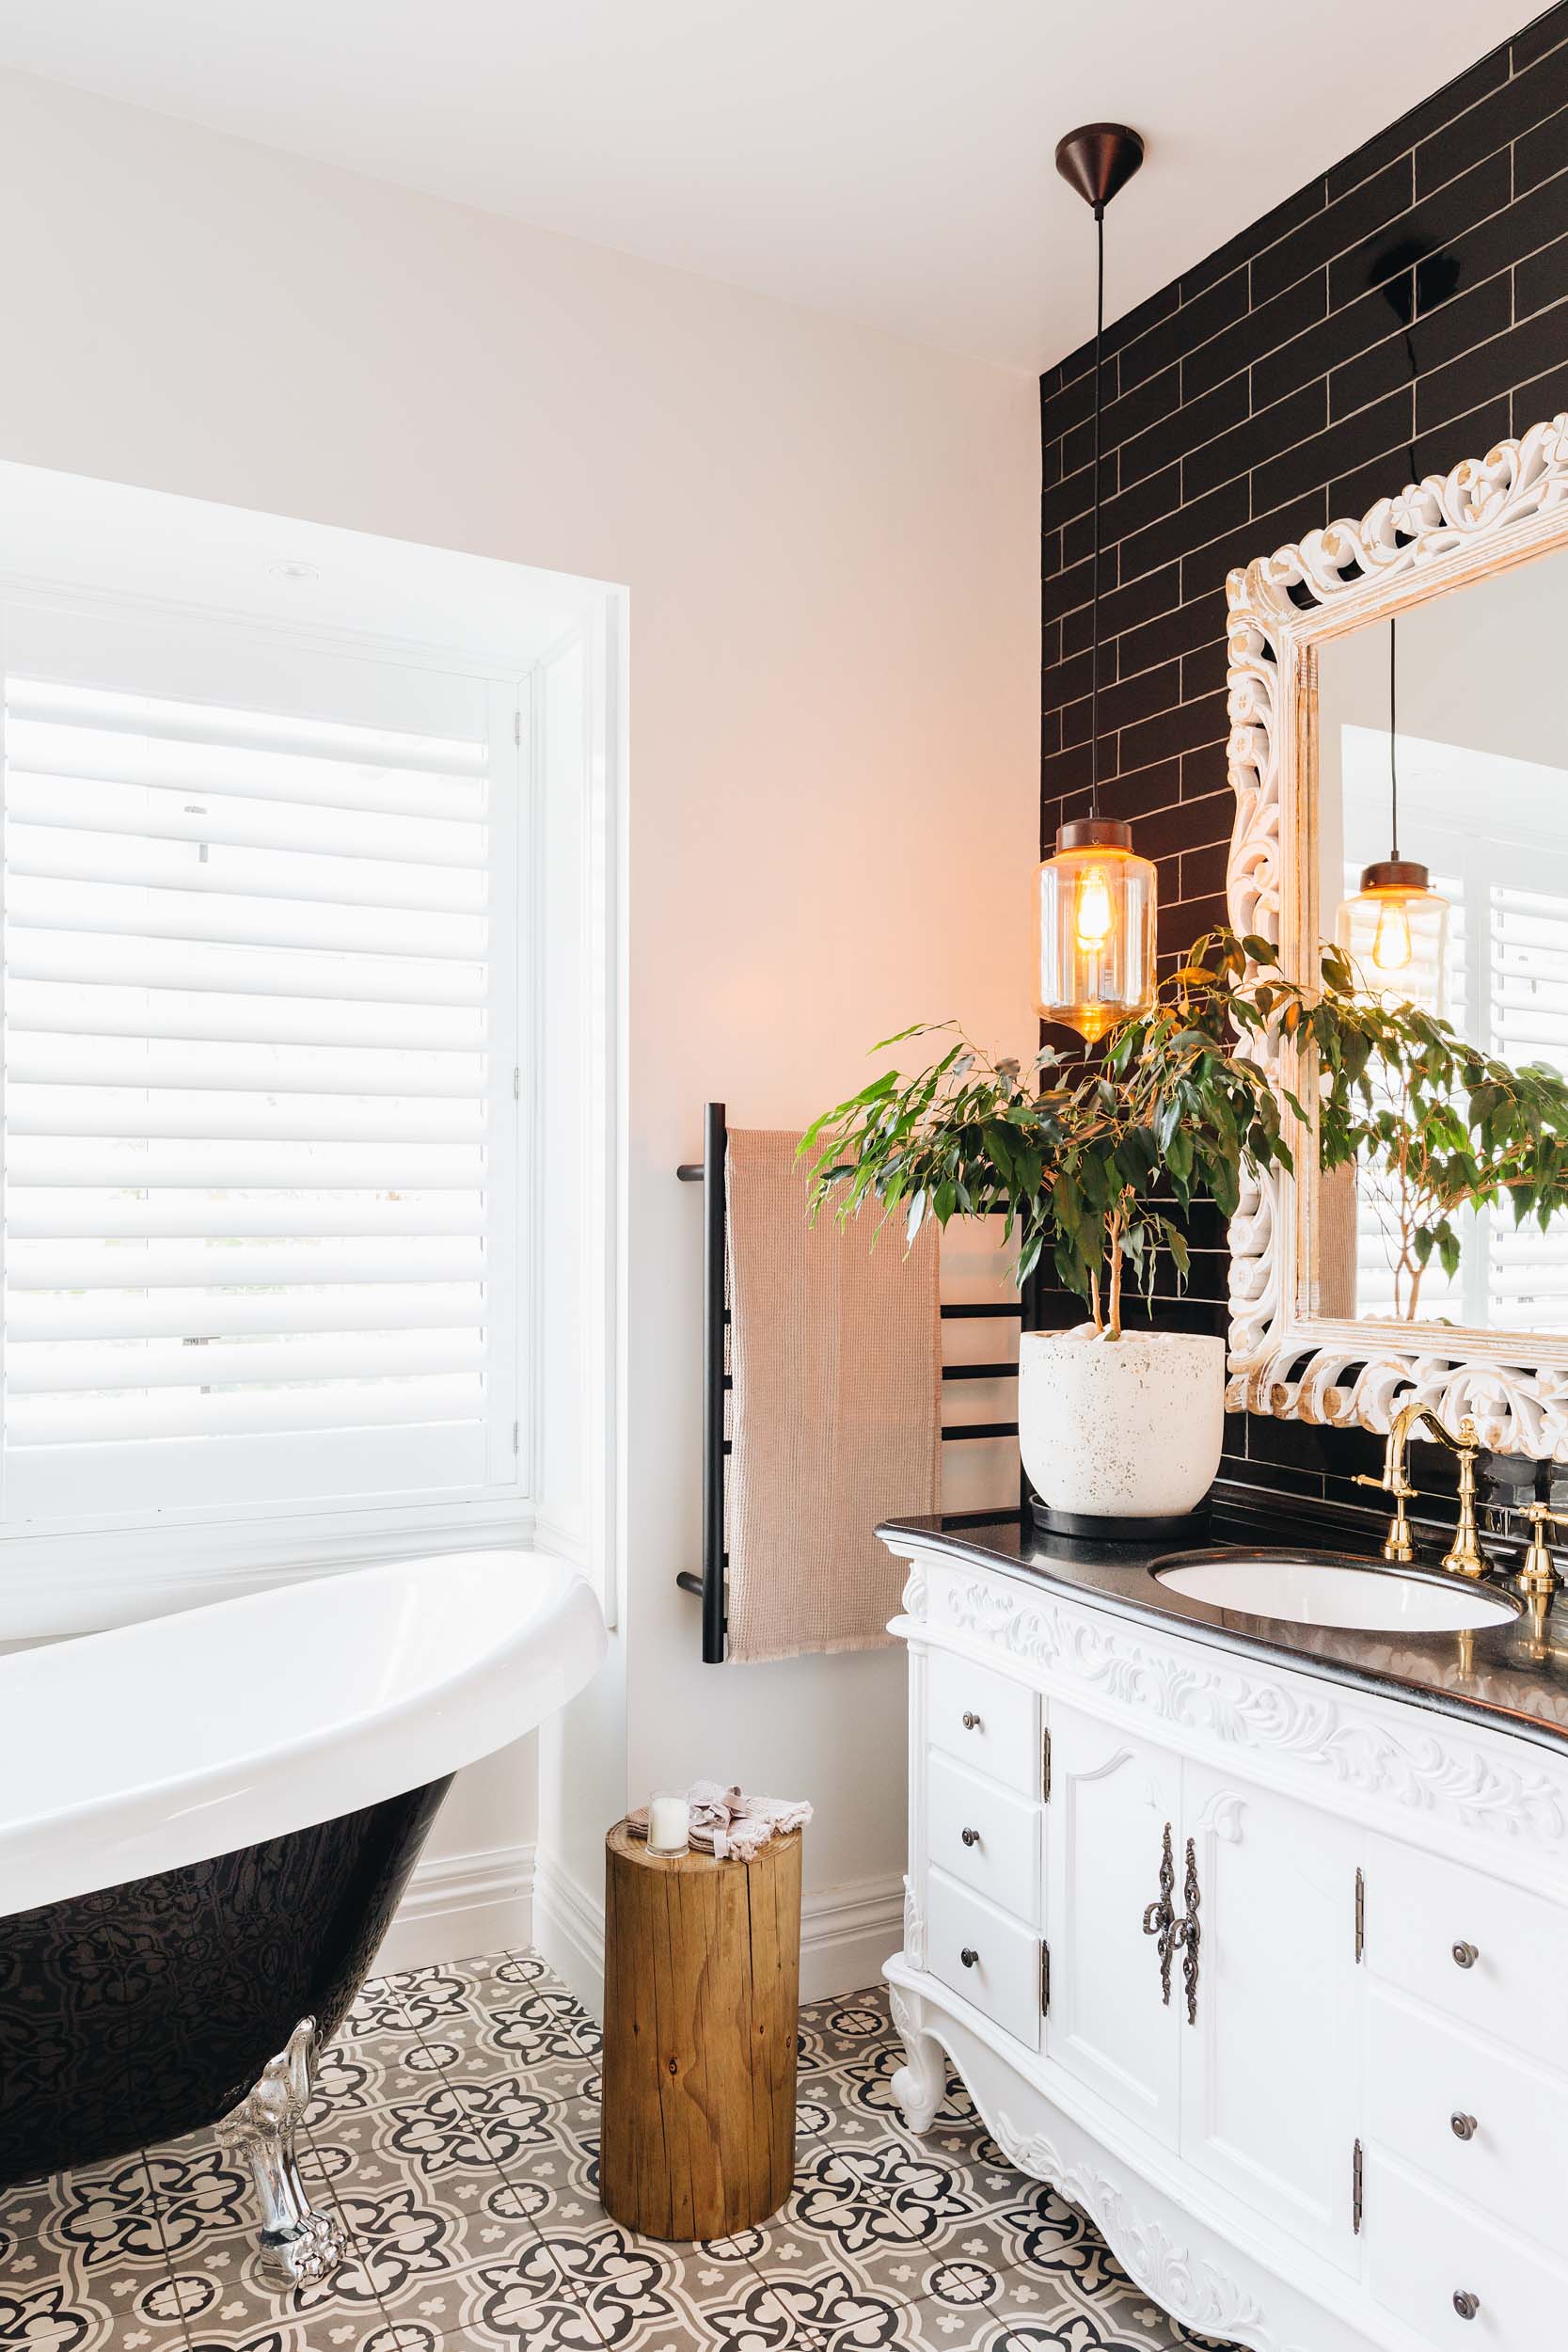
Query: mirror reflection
{"x": 1470, "y": 784}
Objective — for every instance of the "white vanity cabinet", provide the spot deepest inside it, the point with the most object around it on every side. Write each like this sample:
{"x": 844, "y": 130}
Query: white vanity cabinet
{"x": 1260, "y": 1968}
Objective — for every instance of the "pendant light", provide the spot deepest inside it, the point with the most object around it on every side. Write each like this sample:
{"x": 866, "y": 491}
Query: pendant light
{"x": 1395, "y": 927}
{"x": 1095, "y": 898}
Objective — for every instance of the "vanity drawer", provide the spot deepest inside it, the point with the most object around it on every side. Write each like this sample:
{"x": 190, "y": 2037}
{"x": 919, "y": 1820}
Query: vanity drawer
{"x": 984, "y": 1835}
{"x": 1004, "y": 1978}
{"x": 1422, "y": 2249}
{"x": 1422, "y": 2074}
{"x": 986, "y": 1720}
{"x": 1481, "y": 1951}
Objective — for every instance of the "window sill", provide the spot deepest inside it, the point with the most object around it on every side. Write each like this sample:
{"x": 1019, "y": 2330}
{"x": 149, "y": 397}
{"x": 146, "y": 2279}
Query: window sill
{"x": 55, "y": 1586}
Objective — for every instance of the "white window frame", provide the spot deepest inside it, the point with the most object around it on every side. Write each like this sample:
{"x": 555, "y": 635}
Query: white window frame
{"x": 104, "y": 1570}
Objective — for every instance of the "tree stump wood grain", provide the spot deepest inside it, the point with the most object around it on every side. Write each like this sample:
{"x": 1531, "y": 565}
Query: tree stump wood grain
{"x": 702, "y": 1986}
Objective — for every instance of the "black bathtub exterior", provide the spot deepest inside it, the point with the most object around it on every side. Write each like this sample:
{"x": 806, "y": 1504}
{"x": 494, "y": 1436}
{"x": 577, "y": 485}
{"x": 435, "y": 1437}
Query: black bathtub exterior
{"x": 148, "y": 2010}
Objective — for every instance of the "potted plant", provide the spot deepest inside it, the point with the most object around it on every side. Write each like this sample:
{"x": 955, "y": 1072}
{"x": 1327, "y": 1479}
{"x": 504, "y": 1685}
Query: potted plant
{"x": 1094, "y": 1158}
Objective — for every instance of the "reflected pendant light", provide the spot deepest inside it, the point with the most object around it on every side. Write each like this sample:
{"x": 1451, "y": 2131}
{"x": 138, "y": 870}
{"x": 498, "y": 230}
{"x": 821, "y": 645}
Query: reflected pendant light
{"x": 1395, "y": 927}
{"x": 1095, "y": 898}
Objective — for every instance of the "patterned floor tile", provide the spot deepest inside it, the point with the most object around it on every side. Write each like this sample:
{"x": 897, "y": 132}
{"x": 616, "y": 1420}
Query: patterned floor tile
{"x": 536, "y": 2327}
{"x": 643, "y": 2295}
{"x": 301, "y": 2335}
{"x": 456, "y": 2133}
{"x": 377, "y": 2008}
{"x": 52, "y": 2304}
{"x": 372, "y": 2070}
{"x": 533, "y": 2034}
{"x": 832, "y": 2033}
{"x": 207, "y": 2213}
{"x": 838, "y": 2216}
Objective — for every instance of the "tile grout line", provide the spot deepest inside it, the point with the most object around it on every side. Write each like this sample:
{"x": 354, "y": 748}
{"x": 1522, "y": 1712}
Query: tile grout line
{"x": 455, "y": 2082}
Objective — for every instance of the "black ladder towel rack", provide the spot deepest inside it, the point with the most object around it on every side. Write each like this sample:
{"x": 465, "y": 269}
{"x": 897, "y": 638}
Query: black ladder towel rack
{"x": 709, "y": 1586}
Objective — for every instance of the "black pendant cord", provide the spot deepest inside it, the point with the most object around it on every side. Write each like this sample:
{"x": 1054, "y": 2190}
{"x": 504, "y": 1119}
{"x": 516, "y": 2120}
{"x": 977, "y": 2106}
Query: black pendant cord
{"x": 1094, "y": 572}
{"x": 1393, "y": 648}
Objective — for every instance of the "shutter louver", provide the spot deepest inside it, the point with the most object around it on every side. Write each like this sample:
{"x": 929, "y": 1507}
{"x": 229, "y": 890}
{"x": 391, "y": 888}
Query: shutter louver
{"x": 258, "y": 1051}
{"x": 1529, "y": 1268}
{"x": 1508, "y": 984}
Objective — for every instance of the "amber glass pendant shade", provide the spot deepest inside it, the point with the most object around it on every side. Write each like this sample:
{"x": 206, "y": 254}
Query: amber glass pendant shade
{"x": 1394, "y": 929}
{"x": 1094, "y": 904}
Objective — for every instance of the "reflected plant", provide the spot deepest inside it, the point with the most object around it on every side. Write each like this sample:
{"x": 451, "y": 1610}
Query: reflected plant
{"x": 1435, "y": 1126}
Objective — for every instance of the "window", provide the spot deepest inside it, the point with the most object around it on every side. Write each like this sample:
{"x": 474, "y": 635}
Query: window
{"x": 264, "y": 1089}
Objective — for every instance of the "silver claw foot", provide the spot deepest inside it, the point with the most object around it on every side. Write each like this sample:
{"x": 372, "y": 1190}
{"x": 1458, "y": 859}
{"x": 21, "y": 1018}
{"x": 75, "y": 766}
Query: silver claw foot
{"x": 298, "y": 2244}
{"x": 918, "y": 2086}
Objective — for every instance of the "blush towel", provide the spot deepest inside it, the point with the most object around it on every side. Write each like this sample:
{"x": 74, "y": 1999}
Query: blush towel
{"x": 727, "y": 1821}
{"x": 835, "y": 1412}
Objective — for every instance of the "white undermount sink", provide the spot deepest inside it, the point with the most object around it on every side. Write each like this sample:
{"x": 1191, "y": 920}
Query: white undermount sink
{"x": 1305, "y": 1588}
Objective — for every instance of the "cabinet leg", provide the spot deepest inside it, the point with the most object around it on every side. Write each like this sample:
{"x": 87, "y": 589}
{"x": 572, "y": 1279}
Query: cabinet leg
{"x": 919, "y": 2083}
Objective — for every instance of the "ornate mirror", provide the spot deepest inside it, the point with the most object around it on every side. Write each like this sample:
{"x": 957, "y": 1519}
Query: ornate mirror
{"x": 1410, "y": 669}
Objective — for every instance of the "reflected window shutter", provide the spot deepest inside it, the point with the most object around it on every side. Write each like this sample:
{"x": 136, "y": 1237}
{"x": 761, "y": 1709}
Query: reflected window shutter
{"x": 1529, "y": 1268}
{"x": 259, "y": 1136}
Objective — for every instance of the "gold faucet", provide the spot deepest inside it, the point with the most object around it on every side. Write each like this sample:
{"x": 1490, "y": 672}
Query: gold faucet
{"x": 1464, "y": 1555}
{"x": 1537, "y": 1580}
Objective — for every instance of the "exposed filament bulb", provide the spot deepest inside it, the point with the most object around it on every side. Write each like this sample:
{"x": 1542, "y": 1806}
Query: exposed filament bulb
{"x": 1392, "y": 947}
{"x": 1094, "y": 909}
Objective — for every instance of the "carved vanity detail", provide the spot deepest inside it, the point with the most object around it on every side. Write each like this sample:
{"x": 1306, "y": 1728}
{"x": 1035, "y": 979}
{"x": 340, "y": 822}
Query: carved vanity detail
{"x": 1257, "y": 1960}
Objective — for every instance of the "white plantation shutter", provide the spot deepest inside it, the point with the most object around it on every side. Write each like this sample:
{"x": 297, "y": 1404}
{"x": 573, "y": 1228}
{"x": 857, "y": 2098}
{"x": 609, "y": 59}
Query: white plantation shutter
{"x": 1528, "y": 1269}
{"x": 259, "y": 1047}
{"x": 1506, "y": 981}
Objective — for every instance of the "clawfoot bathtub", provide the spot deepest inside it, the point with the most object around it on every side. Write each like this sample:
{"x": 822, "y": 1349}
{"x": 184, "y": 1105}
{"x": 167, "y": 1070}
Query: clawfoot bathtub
{"x": 206, "y": 1822}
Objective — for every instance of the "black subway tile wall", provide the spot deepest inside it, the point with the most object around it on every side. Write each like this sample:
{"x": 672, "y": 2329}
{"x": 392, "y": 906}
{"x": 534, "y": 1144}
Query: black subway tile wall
{"x": 1414, "y": 297}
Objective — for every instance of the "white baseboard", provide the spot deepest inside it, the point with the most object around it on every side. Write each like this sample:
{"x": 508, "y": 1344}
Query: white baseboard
{"x": 847, "y": 1932}
{"x": 568, "y": 1931}
{"x": 459, "y": 1906}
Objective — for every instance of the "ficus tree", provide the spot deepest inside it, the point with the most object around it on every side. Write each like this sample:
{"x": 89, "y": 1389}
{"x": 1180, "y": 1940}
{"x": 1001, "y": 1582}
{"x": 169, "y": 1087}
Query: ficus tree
{"x": 1095, "y": 1157}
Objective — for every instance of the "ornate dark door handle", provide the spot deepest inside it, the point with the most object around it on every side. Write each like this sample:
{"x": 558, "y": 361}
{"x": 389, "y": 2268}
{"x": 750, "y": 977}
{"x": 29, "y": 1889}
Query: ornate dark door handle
{"x": 1189, "y": 1934}
{"x": 1160, "y": 1915}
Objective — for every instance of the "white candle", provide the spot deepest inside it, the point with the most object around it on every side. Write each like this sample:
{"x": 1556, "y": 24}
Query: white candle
{"x": 669, "y": 1825}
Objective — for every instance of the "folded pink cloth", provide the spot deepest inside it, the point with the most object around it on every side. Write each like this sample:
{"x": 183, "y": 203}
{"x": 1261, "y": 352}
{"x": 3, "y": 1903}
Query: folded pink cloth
{"x": 726, "y": 1823}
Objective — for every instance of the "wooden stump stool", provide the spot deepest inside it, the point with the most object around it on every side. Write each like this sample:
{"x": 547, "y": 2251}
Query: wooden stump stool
{"x": 701, "y": 1985}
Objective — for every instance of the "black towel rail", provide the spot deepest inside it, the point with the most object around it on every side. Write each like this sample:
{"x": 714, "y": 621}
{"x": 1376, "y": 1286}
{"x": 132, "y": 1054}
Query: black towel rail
{"x": 718, "y": 1379}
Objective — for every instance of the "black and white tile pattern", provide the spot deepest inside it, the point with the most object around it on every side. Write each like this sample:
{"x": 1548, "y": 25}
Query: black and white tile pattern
{"x": 457, "y": 2132}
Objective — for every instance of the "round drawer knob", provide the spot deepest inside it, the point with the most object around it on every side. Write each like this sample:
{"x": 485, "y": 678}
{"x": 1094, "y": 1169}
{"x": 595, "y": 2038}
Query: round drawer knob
{"x": 1464, "y": 1955}
{"x": 971, "y": 1721}
{"x": 1465, "y": 2304}
{"x": 968, "y": 1956}
{"x": 970, "y": 1837}
{"x": 1464, "y": 2126}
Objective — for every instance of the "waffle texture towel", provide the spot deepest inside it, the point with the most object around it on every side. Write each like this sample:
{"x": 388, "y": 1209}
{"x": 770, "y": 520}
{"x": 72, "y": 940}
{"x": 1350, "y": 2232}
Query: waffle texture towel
{"x": 727, "y": 1821}
{"x": 835, "y": 1412}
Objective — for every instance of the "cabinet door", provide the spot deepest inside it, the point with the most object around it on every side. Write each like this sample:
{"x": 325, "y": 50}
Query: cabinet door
{"x": 1268, "y": 2084}
{"x": 1113, "y": 1795}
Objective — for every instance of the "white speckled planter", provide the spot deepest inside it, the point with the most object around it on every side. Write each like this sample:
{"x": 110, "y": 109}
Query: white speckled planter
{"x": 1126, "y": 1428}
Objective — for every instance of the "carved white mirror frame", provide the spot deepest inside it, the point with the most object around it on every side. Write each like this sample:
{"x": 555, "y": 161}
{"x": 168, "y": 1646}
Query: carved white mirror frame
{"x": 1438, "y": 534}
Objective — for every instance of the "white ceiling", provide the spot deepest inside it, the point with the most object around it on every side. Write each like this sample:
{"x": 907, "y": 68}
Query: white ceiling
{"x": 887, "y": 159}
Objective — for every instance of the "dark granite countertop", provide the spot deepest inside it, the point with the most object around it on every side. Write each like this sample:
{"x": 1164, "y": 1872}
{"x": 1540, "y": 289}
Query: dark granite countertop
{"x": 1513, "y": 1676}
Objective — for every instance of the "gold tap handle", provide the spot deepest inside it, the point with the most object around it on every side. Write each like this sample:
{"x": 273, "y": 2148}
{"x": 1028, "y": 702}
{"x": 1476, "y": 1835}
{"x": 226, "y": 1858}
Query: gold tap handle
{"x": 1538, "y": 1577}
{"x": 1402, "y": 1488}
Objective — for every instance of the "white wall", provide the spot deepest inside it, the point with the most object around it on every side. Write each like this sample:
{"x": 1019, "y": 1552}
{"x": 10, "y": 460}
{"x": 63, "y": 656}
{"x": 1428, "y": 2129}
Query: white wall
{"x": 830, "y": 540}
